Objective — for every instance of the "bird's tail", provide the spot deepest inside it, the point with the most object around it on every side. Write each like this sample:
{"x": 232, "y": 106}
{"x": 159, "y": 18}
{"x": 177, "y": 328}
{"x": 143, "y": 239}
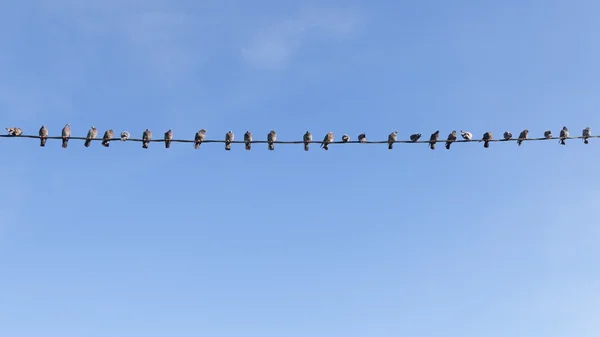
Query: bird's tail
{"x": 167, "y": 144}
{"x": 562, "y": 142}
{"x": 105, "y": 143}
{"x": 305, "y": 146}
{"x": 432, "y": 146}
{"x": 43, "y": 142}
{"x": 585, "y": 141}
{"x": 390, "y": 146}
{"x": 87, "y": 143}
{"x": 196, "y": 145}
{"x": 271, "y": 146}
{"x": 325, "y": 146}
{"x": 248, "y": 146}
{"x": 519, "y": 142}
{"x": 448, "y": 145}
{"x": 144, "y": 145}
{"x": 64, "y": 143}
{"x": 228, "y": 146}
{"x": 486, "y": 144}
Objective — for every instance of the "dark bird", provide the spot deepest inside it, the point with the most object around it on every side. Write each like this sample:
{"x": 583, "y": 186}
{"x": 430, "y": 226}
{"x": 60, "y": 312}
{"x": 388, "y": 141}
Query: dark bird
{"x": 146, "y": 138}
{"x": 327, "y": 140}
{"x": 415, "y": 137}
{"x": 466, "y": 135}
{"x": 229, "y": 137}
{"x": 564, "y": 134}
{"x": 507, "y": 135}
{"x": 433, "y": 139}
{"x": 586, "y": 133}
{"x": 547, "y": 134}
{"x": 392, "y": 139}
{"x": 307, "y": 138}
{"x": 168, "y": 138}
{"x": 271, "y": 139}
{"x": 107, "y": 137}
{"x": 451, "y": 138}
{"x": 486, "y": 139}
{"x": 92, "y": 133}
{"x": 248, "y": 140}
{"x": 345, "y": 138}
{"x": 362, "y": 138}
{"x": 522, "y": 136}
{"x": 66, "y": 134}
{"x": 43, "y": 135}
{"x": 199, "y": 138}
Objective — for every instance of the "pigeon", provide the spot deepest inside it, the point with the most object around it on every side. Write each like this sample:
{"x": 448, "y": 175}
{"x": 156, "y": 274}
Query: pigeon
{"x": 168, "y": 138}
{"x": 248, "y": 140}
{"x": 345, "y": 138}
{"x": 43, "y": 135}
{"x": 328, "y": 139}
{"x": 433, "y": 139}
{"x": 507, "y": 135}
{"x": 107, "y": 137}
{"x": 466, "y": 135}
{"x": 522, "y": 136}
{"x": 585, "y": 134}
{"x": 451, "y": 139}
{"x": 146, "y": 137}
{"x": 486, "y": 139}
{"x": 392, "y": 139}
{"x": 229, "y": 136}
{"x": 415, "y": 137}
{"x": 124, "y": 136}
{"x": 307, "y": 138}
{"x": 547, "y": 134}
{"x": 199, "y": 138}
{"x": 362, "y": 138}
{"x": 66, "y": 134}
{"x": 564, "y": 134}
{"x": 14, "y": 131}
{"x": 271, "y": 139}
{"x": 91, "y": 135}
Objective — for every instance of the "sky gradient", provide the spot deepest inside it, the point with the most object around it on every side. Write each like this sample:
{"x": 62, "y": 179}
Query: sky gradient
{"x": 354, "y": 241}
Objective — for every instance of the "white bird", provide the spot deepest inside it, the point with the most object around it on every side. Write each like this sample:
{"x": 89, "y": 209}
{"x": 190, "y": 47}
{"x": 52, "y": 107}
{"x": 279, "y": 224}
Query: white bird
{"x": 124, "y": 136}
{"x": 466, "y": 135}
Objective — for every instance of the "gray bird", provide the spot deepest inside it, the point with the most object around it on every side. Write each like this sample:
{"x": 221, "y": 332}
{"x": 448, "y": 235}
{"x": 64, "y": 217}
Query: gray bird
{"x": 124, "y": 136}
{"x": 307, "y": 138}
{"x": 229, "y": 137}
{"x": 199, "y": 138}
{"x": 547, "y": 134}
{"x": 248, "y": 140}
{"x": 271, "y": 139}
{"x": 586, "y": 133}
{"x": 451, "y": 138}
{"x": 345, "y": 138}
{"x": 168, "y": 138}
{"x": 66, "y": 134}
{"x": 486, "y": 139}
{"x": 107, "y": 137}
{"x": 433, "y": 139}
{"x": 392, "y": 139}
{"x": 466, "y": 135}
{"x": 507, "y": 135}
{"x": 92, "y": 133}
{"x": 564, "y": 134}
{"x": 327, "y": 140}
{"x": 43, "y": 135}
{"x": 522, "y": 136}
{"x": 14, "y": 131}
{"x": 415, "y": 137}
{"x": 362, "y": 138}
{"x": 146, "y": 138}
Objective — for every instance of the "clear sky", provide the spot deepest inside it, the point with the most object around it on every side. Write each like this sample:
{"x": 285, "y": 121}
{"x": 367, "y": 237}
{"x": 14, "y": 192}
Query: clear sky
{"x": 354, "y": 241}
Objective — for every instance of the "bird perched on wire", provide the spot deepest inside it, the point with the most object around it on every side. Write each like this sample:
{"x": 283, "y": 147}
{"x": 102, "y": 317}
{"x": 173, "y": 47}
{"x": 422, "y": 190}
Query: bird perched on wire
{"x": 547, "y": 134}
{"x": 43, "y": 135}
{"x": 362, "y": 138}
{"x": 564, "y": 134}
{"x": 345, "y": 138}
{"x": 415, "y": 137}
{"x": 168, "y": 138}
{"x": 92, "y": 133}
{"x": 229, "y": 137}
{"x": 522, "y": 136}
{"x": 433, "y": 139}
{"x": 486, "y": 139}
{"x": 451, "y": 138}
{"x": 271, "y": 139}
{"x": 507, "y": 135}
{"x": 248, "y": 140}
{"x": 124, "y": 136}
{"x": 327, "y": 140}
{"x": 146, "y": 138}
{"x": 586, "y": 133}
{"x": 307, "y": 138}
{"x": 66, "y": 134}
{"x": 392, "y": 139}
{"x": 107, "y": 137}
{"x": 14, "y": 131}
{"x": 199, "y": 138}
{"x": 466, "y": 135}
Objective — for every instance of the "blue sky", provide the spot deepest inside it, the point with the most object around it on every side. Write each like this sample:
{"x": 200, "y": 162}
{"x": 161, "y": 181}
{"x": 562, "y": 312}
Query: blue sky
{"x": 354, "y": 241}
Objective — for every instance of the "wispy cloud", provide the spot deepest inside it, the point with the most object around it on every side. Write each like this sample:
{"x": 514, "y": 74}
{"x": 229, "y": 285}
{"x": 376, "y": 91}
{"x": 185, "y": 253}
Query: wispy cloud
{"x": 273, "y": 45}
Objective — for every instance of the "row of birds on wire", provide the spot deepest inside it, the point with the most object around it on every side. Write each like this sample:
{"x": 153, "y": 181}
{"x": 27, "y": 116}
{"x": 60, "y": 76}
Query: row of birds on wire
{"x": 200, "y": 137}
